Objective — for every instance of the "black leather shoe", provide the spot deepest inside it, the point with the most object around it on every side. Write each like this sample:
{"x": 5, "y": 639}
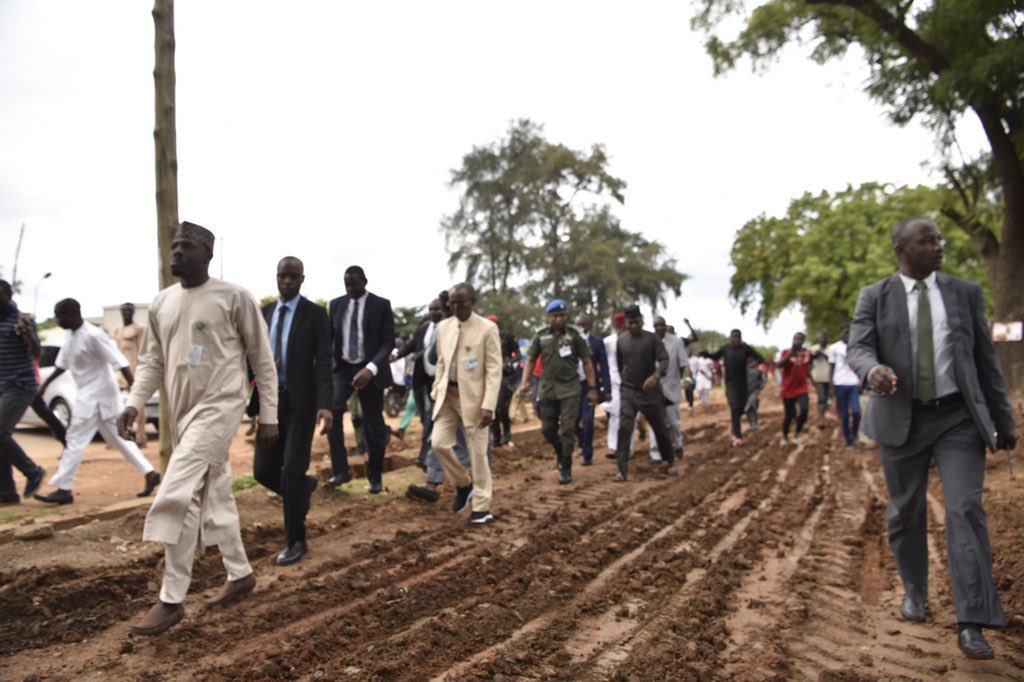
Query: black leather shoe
{"x": 152, "y": 481}
{"x": 588, "y": 461}
{"x": 339, "y": 479}
{"x": 33, "y": 482}
{"x": 564, "y": 476}
{"x": 422, "y": 493}
{"x": 376, "y": 488}
{"x": 292, "y": 553}
{"x": 58, "y": 496}
{"x": 912, "y": 610}
{"x": 973, "y": 644}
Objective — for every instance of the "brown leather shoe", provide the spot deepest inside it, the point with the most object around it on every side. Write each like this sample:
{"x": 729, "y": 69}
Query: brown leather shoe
{"x": 159, "y": 619}
{"x": 233, "y": 590}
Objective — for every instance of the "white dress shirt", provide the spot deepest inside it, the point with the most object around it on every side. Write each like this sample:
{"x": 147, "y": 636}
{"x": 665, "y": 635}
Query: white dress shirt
{"x": 429, "y": 339}
{"x": 346, "y": 325}
{"x": 945, "y": 379}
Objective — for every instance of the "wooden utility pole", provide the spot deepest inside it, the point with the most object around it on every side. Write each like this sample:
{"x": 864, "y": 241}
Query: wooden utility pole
{"x": 166, "y": 141}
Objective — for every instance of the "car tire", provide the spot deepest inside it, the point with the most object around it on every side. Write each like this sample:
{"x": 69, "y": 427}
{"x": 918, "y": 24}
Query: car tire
{"x": 62, "y": 410}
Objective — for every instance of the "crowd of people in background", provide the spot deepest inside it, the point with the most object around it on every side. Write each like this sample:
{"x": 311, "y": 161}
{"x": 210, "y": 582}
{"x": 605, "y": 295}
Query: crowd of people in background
{"x": 464, "y": 375}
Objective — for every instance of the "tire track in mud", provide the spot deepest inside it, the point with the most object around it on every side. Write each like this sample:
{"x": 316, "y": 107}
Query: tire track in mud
{"x": 840, "y": 620}
{"x": 415, "y": 559}
{"x": 758, "y": 563}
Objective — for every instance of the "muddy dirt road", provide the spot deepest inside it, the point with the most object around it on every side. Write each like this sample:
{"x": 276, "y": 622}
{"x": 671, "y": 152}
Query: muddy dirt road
{"x": 761, "y": 562}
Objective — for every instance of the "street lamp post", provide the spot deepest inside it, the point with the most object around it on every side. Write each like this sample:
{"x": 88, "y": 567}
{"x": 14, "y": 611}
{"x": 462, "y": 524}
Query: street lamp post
{"x": 35, "y": 301}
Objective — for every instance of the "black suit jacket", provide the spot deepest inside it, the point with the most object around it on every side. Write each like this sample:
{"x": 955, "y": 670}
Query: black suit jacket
{"x": 378, "y": 334}
{"x": 308, "y": 357}
{"x": 880, "y": 335}
{"x": 417, "y": 349}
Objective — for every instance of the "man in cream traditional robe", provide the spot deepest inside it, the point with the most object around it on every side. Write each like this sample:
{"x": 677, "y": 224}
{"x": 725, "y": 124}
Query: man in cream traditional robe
{"x": 199, "y": 335}
{"x": 465, "y": 390}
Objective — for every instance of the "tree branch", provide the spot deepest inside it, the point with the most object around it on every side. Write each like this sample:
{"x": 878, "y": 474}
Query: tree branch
{"x": 921, "y": 50}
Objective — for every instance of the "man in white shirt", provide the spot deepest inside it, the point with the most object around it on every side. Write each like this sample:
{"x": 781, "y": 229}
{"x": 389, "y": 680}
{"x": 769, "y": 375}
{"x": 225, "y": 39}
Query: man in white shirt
{"x": 846, "y": 384}
{"x": 90, "y": 356}
{"x": 611, "y": 407}
{"x": 672, "y": 386}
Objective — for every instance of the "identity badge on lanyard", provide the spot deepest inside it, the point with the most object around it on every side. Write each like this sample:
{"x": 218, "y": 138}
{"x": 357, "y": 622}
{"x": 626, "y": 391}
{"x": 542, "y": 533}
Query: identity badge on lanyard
{"x": 564, "y": 351}
{"x": 194, "y": 356}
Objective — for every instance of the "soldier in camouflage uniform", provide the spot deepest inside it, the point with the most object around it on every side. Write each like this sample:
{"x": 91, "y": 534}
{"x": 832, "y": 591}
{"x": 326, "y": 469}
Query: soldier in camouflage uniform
{"x": 562, "y": 349}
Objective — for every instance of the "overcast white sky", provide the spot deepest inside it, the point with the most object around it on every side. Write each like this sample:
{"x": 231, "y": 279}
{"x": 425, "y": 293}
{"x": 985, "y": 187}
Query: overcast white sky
{"x": 328, "y": 130}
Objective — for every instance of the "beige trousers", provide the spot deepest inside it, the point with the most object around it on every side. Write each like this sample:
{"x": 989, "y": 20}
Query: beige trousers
{"x": 179, "y": 557}
{"x": 442, "y": 439}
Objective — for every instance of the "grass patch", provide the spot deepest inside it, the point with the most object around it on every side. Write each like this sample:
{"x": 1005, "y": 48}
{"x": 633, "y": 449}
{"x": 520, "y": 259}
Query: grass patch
{"x": 243, "y": 482}
{"x": 17, "y": 514}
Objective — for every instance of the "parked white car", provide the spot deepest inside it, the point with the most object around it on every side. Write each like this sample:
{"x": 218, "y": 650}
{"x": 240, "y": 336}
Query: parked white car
{"x": 61, "y": 393}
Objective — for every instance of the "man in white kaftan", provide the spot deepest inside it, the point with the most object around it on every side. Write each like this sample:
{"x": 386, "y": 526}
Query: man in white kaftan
{"x": 199, "y": 335}
{"x": 90, "y": 356}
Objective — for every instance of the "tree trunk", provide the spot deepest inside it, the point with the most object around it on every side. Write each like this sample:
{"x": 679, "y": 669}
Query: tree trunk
{"x": 1007, "y": 292}
{"x": 166, "y": 141}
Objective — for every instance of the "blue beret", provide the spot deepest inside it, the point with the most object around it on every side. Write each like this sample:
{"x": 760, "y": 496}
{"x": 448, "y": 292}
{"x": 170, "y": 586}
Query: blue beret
{"x": 557, "y": 306}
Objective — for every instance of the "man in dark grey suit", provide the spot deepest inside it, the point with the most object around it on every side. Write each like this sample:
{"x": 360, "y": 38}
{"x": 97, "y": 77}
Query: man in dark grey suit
{"x": 921, "y": 342}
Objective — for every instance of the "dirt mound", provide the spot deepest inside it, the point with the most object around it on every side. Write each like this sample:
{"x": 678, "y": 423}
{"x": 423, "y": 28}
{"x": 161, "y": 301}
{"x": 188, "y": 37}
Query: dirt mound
{"x": 761, "y": 562}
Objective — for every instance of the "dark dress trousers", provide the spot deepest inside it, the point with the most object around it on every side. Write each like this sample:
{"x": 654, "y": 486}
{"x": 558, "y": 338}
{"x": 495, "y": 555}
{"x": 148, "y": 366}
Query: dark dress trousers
{"x": 585, "y": 428}
{"x": 306, "y": 389}
{"x": 953, "y": 430}
{"x": 421, "y": 383}
{"x": 378, "y": 343}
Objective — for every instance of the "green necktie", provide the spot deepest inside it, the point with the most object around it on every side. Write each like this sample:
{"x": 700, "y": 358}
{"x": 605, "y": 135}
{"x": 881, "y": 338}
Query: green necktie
{"x": 925, "y": 346}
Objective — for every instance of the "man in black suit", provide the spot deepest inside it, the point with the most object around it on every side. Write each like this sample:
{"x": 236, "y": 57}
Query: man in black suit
{"x": 363, "y": 336}
{"x": 599, "y": 358}
{"x": 422, "y": 371}
{"x": 300, "y": 338}
{"x": 921, "y": 342}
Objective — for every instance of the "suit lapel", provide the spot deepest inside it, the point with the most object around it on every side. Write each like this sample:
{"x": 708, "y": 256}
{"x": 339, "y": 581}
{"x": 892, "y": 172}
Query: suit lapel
{"x": 300, "y": 311}
{"x": 897, "y": 300}
{"x": 954, "y": 316}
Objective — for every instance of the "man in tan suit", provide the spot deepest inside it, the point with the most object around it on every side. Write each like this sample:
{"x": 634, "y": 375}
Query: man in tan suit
{"x": 465, "y": 390}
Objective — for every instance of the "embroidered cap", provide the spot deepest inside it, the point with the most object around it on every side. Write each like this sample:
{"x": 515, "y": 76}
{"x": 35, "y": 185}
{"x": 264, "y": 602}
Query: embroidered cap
{"x": 197, "y": 233}
{"x": 632, "y": 312}
{"x": 557, "y": 306}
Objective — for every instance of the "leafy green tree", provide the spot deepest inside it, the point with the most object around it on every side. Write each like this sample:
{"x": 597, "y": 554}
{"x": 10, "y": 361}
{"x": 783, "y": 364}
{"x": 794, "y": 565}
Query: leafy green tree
{"x": 827, "y": 246}
{"x": 534, "y": 222}
{"x": 407, "y": 319}
{"x": 932, "y": 60}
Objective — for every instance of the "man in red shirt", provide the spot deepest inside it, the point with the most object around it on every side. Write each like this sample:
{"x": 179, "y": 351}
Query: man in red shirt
{"x": 794, "y": 363}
